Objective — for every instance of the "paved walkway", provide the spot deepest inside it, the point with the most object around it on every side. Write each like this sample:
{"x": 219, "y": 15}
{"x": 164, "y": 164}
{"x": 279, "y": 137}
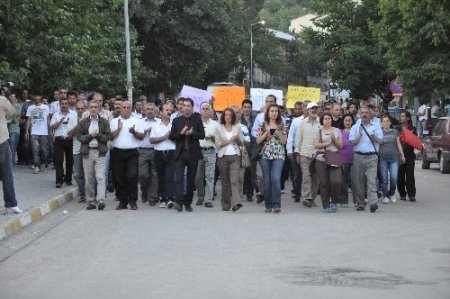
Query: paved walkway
{"x": 33, "y": 192}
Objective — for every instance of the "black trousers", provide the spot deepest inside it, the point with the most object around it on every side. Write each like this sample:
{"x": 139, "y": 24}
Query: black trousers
{"x": 165, "y": 168}
{"x": 406, "y": 182}
{"x": 183, "y": 162}
{"x": 125, "y": 173}
{"x": 63, "y": 148}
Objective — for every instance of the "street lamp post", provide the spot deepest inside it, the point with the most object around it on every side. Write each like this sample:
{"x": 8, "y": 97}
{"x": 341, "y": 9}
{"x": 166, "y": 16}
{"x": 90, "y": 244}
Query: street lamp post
{"x": 251, "y": 50}
{"x": 128, "y": 52}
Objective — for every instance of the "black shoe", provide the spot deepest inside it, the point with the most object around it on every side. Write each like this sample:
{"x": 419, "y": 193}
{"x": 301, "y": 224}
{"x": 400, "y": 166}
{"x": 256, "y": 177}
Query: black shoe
{"x": 307, "y": 203}
{"x": 373, "y": 208}
{"x": 236, "y": 207}
{"x": 188, "y": 208}
{"x": 259, "y": 198}
{"x": 58, "y": 185}
{"x": 379, "y": 194}
{"x": 199, "y": 203}
{"x": 276, "y": 210}
{"x": 359, "y": 209}
{"x": 249, "y": 198}
{"x": 101, "y": 205}
{"x": 170, "y": 204}
{"x": 296, "y": 198}
{"x": 144, "y": 199}
{"x": 403, "y": 198}
{"x": 69, "y": 183}
{"x": 133, "y": 206}
{"x": 412, "y": 199}
{"x": 82, "y": 199}
{"x": 110, "y": 188}
{"x": 91, "y": 207}
{"x": 178, "y": 207}
{"x": 208, "y": 205}
{"x": 121, "y": 207}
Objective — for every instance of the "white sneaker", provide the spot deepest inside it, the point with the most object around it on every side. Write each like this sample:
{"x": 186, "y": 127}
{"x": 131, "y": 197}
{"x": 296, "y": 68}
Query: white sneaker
{"x": 32, "y": 166}
{"x": 163, "y": 205}
{"x": 393, "y": 199}
{"x": 385, "y": 200}
{"x": 15, "y": 210}
{"x": 36, "y": 170}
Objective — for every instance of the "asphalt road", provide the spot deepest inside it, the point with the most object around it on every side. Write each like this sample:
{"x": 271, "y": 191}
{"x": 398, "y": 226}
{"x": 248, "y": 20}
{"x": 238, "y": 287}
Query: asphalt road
{"x": 401, "y": 251}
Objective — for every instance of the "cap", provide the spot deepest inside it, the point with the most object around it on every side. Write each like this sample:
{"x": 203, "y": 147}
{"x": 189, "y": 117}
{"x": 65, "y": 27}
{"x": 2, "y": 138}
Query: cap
{"x": 311, "y": 105}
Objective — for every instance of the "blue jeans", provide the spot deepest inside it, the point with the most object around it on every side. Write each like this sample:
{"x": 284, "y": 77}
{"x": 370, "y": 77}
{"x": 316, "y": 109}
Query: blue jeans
{"x": 389, "y": 165}
{"x": 296, "y": 176}
{"x": 420, "y": 126}
{"x": 272, "y": 170}
{"x": 13, "y": 142}
{"x": 6, "y": 175}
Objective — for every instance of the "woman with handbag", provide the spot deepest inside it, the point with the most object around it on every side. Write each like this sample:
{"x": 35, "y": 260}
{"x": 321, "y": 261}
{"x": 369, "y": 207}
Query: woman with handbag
{"x": 273, "y": 134}
{"x": 228, "y": 137}
{"x": 328, "y": 142}
{"x": 391, "y": 153}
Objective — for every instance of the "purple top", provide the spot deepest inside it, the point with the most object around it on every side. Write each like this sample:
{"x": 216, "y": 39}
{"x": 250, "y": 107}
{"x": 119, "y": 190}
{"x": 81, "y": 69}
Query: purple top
{"x": 346, "y": 152}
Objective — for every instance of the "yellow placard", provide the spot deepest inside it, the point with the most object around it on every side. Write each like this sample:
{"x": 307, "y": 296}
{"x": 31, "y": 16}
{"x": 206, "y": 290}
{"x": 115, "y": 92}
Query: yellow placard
{"x": 225, "y": 96}
{"x": 301, "y": 93}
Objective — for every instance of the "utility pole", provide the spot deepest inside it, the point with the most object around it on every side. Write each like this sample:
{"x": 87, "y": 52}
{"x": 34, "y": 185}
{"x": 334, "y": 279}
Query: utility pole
{"x": 128, "y": 52}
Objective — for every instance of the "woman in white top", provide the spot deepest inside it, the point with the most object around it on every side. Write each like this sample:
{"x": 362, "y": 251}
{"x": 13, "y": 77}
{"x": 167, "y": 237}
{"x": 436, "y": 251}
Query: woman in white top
{"x": 228, "y": 136}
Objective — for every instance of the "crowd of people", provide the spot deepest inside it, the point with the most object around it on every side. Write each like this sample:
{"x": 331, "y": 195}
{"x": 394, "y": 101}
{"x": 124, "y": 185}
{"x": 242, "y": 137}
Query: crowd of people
{"x": 172, "y": 152}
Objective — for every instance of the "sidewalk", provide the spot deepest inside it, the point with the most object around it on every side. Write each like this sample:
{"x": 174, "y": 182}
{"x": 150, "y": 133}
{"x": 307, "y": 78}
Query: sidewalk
{"x": 36, "y": 195}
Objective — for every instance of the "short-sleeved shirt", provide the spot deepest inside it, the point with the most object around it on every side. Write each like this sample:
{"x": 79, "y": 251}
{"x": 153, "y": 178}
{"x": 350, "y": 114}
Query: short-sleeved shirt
{"x": 64, "y": 128}
{"x": 39, "y": 119}
{"x": 160, "y": 130}
{"x": 272, "y": 148}
{"x": 327, "y": 138}
{"x": 388, "y": 149}
{"x": 126, "y": 140}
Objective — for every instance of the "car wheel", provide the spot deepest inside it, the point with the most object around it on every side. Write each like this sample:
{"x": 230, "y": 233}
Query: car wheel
{"x": 425, "y": 163}
{"x": 444, "y": 165}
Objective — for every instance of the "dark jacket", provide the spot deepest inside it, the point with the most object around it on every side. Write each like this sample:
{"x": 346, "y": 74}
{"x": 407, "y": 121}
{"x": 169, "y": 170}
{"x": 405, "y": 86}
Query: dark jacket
{"x": 84, "y": 137}
{"x": 198, "y": 133}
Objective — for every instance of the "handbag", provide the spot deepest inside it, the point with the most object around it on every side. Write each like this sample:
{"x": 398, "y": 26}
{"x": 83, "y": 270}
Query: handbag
{"x": 255, "y": 151}
{"x": 332, "y": 159}
{"x": 245, "y": 159}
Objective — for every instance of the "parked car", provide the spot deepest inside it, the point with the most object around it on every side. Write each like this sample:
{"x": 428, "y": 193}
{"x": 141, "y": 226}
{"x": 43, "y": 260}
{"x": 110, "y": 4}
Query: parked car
{"x": 437, "y": 146}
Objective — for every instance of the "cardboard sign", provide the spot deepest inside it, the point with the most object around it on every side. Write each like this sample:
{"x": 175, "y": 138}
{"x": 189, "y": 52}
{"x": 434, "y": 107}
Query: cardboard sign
{"x": 199, "y": 96}
{"x": 259, "y": 95}
{"x": 301, "y": 93}
{"x": 225, "y": 96}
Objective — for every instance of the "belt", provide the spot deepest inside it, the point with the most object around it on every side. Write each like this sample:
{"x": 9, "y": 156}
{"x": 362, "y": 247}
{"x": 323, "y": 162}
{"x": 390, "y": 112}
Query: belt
{"x": 91, "y": 147}
{"x": 62, "y": 137}
{"x": 147, "y": 148}
{"x": 208, "y": 148}
{"x": 165, "y": 151}
{"x": 366, "y": 154}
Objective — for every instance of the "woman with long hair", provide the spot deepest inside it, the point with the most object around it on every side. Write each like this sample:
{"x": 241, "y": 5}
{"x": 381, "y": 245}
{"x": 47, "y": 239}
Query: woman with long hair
{"x": 272, "y": 136}
{"x": 330, "y": 176}
{"x": 406, "y": 182}
{"x": 227, "y": 138}
{"x": 346, "y": 155}
{"x": 391, "y": 154}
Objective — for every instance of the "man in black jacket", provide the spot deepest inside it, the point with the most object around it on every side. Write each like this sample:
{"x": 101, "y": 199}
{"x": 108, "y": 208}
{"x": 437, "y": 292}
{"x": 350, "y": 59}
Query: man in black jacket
{"x": 186, "y": 132}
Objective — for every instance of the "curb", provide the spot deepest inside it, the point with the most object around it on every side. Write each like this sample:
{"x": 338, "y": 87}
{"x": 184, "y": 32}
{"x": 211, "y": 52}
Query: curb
{"x": 15, "y": 224}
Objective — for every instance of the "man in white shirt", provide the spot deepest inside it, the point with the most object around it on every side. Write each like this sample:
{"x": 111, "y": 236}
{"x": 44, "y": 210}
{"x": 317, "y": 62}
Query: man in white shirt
{"x": 422, "y": 116}
{"x": 138, "y": 111}
{"x": 148, "y": 179}
{"x": 77, "y": 158}
{"x": 299, "y": 115}
{"x": 164, "y": 157}
{"x": 61, "y": 122}
{"x": 126, "y": 131}
{"x": 206, "y": 166}
{"x": 37, "y": 118}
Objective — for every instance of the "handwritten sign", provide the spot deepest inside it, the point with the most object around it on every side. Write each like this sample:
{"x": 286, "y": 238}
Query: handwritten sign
{"x": 259, "y": 95}
{"x": 224, "y": 96}
{"x": 199, "y": 96}
{"x": 301, "y": 93}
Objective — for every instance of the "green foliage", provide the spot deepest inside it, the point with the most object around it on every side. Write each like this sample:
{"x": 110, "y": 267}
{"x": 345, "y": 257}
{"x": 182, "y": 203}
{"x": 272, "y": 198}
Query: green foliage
{"x": 354, "y": 56}
{"x": 76, "y": 44}
{"x": 279, "y": 13}
{"x": 416, "y": 38}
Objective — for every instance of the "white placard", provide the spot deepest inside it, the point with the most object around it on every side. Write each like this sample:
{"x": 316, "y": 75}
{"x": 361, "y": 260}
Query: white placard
{"x": 258, "y": 97}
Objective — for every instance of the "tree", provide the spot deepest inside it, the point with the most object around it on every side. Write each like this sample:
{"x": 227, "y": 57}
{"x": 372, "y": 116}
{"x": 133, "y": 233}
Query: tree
{"x": 79, "y": 45}
{"x": 354, "y": 56}
{"x": 416, "y": 38}
{"x": 279, "y": 13}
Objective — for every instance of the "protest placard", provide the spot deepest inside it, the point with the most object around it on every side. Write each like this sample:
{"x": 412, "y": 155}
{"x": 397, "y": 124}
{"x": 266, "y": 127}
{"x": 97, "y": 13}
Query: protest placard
{"x": 301, "y": 93}
{"x": 224, "y": 96}
{"x": 199, "y": 96}
{"x": 258, "y": 97}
